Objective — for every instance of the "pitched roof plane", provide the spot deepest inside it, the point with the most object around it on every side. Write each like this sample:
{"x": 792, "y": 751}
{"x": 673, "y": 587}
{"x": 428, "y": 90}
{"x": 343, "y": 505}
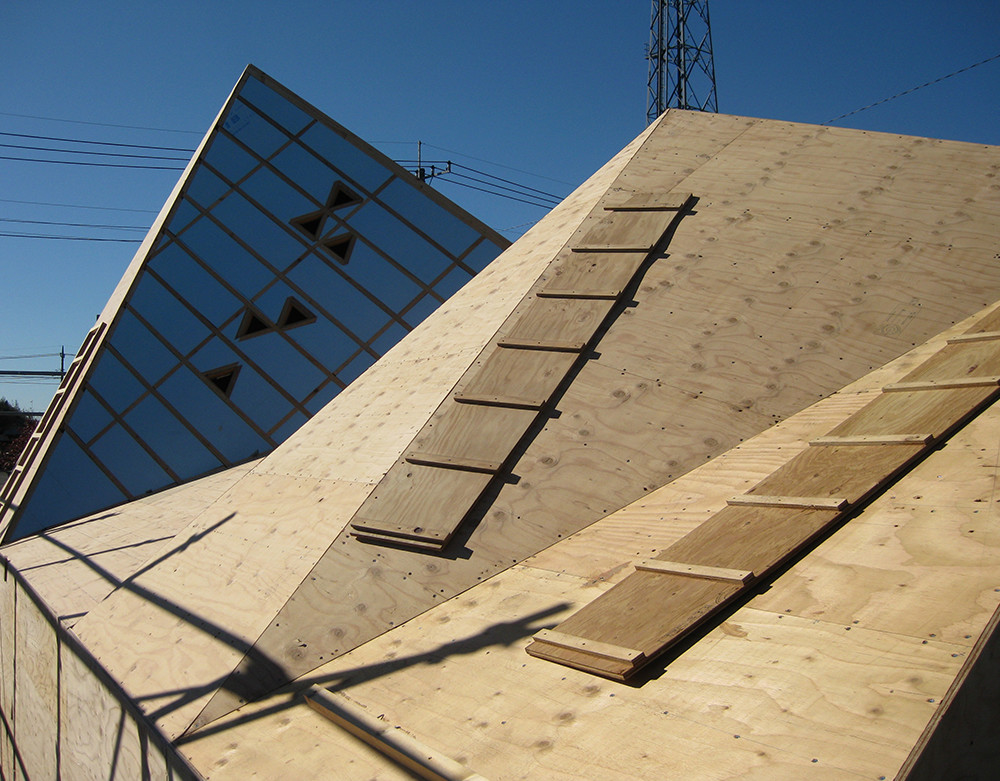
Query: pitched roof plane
{"x": 137, "y": 411}
{"x": 609, "y": 391}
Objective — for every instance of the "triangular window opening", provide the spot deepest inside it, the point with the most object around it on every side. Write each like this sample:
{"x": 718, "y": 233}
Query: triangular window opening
{"x": 341, "y": 195}
{"x": 252, "y": 324}
{"x": 339, "y": 246}
{"x": 311, "y": 224}
{"x": 224, "y": 378}
{"x": 293, "y": 314}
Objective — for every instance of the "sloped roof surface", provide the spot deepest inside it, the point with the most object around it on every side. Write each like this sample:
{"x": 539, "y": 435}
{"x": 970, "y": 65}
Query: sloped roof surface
{"x": 806, "y": 258}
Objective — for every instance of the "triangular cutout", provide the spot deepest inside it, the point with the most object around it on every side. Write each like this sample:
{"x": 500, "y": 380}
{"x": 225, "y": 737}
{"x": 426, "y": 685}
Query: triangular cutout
{"x": 252, "y": 324}
{"x": 293, "y": 314}
{"x": 341, "y": 195}
{"x": 339, "y": 246}
{"x": 311, "y": 224}
{"x": 223, "y": 378}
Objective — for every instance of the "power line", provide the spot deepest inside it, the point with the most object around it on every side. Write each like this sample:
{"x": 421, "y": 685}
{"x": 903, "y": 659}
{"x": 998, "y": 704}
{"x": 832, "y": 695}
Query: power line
{"x": 90, "y": 152}
{"x": 64, "y": 238}
{"x": 99, "y": 143}
{"x": 100, "y": 124}
{"x": 912, "y": 89}
{"x": 499, "y": 195}
{"x": 508, "y": 181}
{"x": 499, "y": 165}
{"x": 79, "y": 206}
{"x": 76, "y": 224}
{"x": 97, "y": 165}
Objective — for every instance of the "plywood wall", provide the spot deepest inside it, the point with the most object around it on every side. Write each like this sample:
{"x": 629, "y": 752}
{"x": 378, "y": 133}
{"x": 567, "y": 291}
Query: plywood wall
{"x": 61, "y": 716}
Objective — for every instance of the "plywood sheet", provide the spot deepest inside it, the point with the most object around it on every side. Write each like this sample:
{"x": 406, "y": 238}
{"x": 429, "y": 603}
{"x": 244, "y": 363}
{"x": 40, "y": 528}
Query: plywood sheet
{"x": 36, "y": 689}
{"x": 627, "y": 229}
{"x": 921, "y": 412}
{"x": 604, "y": 274}
{"x": 75, "y": 566}
{"x": 239, "y": 562}
{"x": 99, "y": 739}
{"x": 8, "y": 590}
{"x": 962, "y": 360}
{"x": 559, "y": 320}
{"x": 474, "y": 431}
{"x": 848, "y": 472}
{"x": 513, "y": 376}
{"x": 422, "y": 503}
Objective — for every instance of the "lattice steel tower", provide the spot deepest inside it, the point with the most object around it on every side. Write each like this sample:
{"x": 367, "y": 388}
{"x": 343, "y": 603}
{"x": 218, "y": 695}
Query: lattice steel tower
{"x": 681, "y": 69}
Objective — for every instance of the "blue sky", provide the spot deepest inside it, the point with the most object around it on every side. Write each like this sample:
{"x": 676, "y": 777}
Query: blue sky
{"x": 550, "y": 90}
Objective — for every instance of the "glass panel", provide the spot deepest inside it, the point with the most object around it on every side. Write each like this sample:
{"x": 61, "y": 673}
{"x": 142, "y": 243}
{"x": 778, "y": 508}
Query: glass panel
{"x": 274, "y": 194}
{"x": 344, "y": 301}
{"x": 434, "y": 220}
{"x": 129, "y": 463}
{"x": 276, "y": 107}
{"x": 228, "y": 259}
{"x": 424, "y": 307}
{"x": 388, "y": 340}
{"x": 89, "y": 417}
{"x": 205, "y": 187}
{"x": 114, "y": 383}
{"x": 284, "y": 364}
{"x": 144, "y": 352}
{"x": 289, "y": 427}
{"x": 270, "y": 241}
{"x": 307, "y": 171}
{"x": 212, "y": 417}
{"x": 452, "y": 282}
{"x": 322, "y": 398}
{"x": 250, "y": 128}
{"x": 325, "y": 342}
{"x": 226, "y": 157}
{"x": 482, "y": 255}
{"x": 71, "y": 486}
{"x": 380, "y": 277}
{"x": 355, "y": 368}
{"x": 182, "y": 217}
{"x": 164, "y": 312}
{"x": 346, "y": 157}
{"x": 399, "y": 242}
{"x": 195, "y": 285}
{"x": 258, "y": 399}
{"x": 170, "y": 440}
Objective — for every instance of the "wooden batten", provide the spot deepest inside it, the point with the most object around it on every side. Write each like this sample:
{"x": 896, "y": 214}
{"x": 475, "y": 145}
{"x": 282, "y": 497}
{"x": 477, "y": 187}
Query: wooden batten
{"x": 800, "y": 502}
{"x": 390, "y": 740}
{"x": 694, "y": 570}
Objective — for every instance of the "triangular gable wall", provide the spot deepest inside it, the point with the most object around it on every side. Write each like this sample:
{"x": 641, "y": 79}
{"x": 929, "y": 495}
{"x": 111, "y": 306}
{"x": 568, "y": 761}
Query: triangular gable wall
{"x": 234, "y": 324}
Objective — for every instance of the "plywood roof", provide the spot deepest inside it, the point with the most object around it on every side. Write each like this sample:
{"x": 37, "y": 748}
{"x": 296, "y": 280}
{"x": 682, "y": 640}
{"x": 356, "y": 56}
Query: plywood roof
{"x": 810, "y": 258}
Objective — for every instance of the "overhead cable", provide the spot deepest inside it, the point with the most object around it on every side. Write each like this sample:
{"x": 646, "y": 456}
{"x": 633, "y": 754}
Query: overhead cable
{"x": 912, "y": 89}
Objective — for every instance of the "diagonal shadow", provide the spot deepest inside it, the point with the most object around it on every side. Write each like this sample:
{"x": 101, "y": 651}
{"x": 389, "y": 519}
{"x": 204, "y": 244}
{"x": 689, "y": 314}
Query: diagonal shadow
{"x": 500, "y": 634}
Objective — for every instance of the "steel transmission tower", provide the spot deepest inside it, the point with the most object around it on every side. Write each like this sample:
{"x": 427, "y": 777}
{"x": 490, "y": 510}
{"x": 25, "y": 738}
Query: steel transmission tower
{"x": 681, "y": 69}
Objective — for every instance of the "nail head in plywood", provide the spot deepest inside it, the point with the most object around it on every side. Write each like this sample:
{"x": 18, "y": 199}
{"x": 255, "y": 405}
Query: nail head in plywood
{"x": 389, "y": 739}
{"x": 983, "y": 336}
{"x": 875, "y": 439}
{"x": 595, "y": 647}
{"x": 803, "y": 502}
{"x": 960, "y": 382}
{"x": 694, "y": 570}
